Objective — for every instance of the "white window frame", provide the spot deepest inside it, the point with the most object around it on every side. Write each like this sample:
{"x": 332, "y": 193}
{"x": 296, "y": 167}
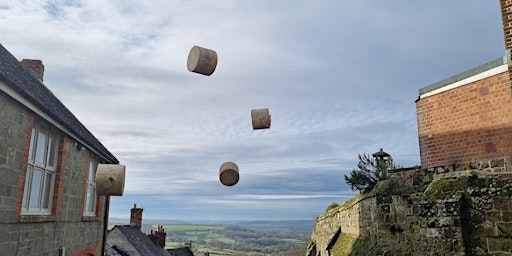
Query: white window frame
{"x": 41, "y": 170}
{"x": 90, "y": 188}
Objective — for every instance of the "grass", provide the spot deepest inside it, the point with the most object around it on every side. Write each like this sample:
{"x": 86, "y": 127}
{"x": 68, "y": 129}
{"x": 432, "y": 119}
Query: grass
{"x": 220, "y": 240}
{"x": 194, "y": 233}
{"x": 348, "y": 203}
{"x": 343, "y": 245}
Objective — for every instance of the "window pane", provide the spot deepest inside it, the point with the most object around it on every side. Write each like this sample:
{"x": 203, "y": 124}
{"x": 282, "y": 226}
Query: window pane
{"x": 91, "y": 170}
{"x": 47, "y": 189}
{"x": 41, "y": 145}
{"x": 26, "y": 188}
{"x": 31, "y": 147}
{"x": 52, "y": 147}
{"x": 93, "y": 198}
{"x": 35, "y": 188}
{"x": 88, "y": 199}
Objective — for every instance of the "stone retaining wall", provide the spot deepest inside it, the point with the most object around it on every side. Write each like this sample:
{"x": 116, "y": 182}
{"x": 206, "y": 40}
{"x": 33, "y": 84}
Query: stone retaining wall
{"x": 466, "y": 214}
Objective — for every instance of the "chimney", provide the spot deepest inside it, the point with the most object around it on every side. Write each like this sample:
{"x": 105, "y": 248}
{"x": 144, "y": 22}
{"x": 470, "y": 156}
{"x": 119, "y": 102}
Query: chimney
{"x": 36, "y": 66}
{"x": 136, "y": 216}
{"x": 158, "y": 237}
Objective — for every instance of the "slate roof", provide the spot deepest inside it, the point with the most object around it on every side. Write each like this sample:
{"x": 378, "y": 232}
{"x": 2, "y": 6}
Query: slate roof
{"x": 27, "y": 84}
{"x": 114, "y": 251}
{"x": 461, "y": 76}
{"x": 183, "y": 251}
{"x": 139, "y": 240}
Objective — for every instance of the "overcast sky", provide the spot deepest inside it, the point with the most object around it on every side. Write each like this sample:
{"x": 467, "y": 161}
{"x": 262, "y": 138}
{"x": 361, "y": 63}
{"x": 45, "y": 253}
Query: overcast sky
{"x": 339, "y": 78}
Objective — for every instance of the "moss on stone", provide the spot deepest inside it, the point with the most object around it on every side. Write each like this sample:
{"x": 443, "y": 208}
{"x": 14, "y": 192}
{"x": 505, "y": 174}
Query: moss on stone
{"x": 381, "y": 188}
{"x": 343, "y": 245}
{"x": 471, "y": 184}
{"x": 500, "y": 244}
{"x": 364, "y": 246}
{"x": 351, "y": 201}
{"x": 333, "y": 208}
{"x": 333, "y": 205}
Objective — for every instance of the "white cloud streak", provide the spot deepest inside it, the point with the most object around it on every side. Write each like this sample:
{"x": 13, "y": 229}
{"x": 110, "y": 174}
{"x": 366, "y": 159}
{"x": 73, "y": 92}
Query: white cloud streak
{"x": 339, "y": 78}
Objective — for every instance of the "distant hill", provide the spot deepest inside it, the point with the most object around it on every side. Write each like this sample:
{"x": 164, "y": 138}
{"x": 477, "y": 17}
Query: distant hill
{"x": 285, "y": 225}
{"x": 289, "y": 225}
{"x": 126, "y": 221}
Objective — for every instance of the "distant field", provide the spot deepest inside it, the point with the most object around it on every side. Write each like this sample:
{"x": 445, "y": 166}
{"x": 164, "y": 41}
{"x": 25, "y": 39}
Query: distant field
{"x": 221, "y": 240}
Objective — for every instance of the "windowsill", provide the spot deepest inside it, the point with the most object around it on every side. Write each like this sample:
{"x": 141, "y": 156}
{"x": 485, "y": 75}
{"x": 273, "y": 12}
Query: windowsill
{"x": 91, "y": 218}
{"x": 51, "y": 218}
{"x": 37, "y": 218}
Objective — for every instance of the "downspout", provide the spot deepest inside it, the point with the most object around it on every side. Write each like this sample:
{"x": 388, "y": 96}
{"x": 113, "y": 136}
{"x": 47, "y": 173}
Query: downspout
{"x": 105, "y": 222}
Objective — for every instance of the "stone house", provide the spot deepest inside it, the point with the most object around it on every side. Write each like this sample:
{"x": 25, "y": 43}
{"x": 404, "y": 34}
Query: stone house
{"x": 48, "y": 160}
{"x": 129, "y": 240}
{"x": 183, "y": 251}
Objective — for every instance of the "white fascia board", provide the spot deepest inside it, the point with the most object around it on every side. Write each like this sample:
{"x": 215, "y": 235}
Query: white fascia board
{"x": 483, "y": 75}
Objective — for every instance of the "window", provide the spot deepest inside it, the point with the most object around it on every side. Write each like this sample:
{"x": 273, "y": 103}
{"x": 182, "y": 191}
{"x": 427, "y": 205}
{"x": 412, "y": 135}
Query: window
{"x": 90, "y": 195}
{"x": 40, "y": 176}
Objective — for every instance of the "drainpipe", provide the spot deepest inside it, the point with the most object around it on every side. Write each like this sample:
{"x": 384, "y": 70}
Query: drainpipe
{"x": 105, "y": 222}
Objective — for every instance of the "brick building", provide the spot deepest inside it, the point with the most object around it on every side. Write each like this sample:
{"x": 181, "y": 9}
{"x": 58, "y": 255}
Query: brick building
{"x": 48, "y": 160}
{"x": 465, "y": 121}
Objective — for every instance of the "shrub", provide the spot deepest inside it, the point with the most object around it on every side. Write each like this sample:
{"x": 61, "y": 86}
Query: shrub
{"x": 331, "y": 206}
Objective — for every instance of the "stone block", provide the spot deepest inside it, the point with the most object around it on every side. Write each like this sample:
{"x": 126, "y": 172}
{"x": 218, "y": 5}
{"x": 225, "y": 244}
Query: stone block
{"x": 485, "y": 229}
{"x": 382, "y": 199}
{"x": 8, "y": 248}
{"x": 384, "y": 208}
{"x": 484, "y": 165}
{"x": 499, "y": 244}
{"x": 440, "y": 170}
{"x": 506, "y": 216}
{"x": 502, "y": 203}
{"x": 504, "y": 229}
{"x": 493, "y": 216}
{"x": 500, "y": 162}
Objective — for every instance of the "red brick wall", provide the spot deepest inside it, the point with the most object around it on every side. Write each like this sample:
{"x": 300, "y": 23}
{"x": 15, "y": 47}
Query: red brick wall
{"x": 468, "y": 123}
{"x": 506, "y": 16}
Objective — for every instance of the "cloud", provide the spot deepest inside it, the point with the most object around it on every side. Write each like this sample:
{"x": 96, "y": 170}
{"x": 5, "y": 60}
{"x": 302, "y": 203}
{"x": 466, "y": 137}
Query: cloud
{"x": 339, "y": 78}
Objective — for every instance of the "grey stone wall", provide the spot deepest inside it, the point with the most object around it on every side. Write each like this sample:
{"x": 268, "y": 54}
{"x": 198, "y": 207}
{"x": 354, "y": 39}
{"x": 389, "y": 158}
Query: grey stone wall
{"x": 464, "y": 213}
{"x": 13, "y": 125}
{"x": 345, "y": 218}
{"x": 66, "y": 227}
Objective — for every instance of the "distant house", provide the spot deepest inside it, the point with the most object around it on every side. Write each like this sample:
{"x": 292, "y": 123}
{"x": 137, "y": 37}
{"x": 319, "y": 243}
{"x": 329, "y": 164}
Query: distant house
{"x": 183, "y": 251}
{"x": 130, "y": 240}
{"x": 48, "y": 159}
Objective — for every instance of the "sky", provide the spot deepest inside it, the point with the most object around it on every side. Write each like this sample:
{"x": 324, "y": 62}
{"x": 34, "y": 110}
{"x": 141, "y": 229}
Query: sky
{"x": 339, "y": 78}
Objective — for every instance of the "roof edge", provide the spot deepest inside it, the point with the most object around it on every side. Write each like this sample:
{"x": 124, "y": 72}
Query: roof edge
{"x": 464, "y": 75}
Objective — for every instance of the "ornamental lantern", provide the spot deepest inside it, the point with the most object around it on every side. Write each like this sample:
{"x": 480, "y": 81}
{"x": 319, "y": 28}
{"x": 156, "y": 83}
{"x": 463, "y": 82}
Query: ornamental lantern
{"x": 382, "y": 157}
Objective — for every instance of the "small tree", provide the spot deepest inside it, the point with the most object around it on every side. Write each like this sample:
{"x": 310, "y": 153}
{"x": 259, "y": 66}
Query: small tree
{"x": 369, "y": 171}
